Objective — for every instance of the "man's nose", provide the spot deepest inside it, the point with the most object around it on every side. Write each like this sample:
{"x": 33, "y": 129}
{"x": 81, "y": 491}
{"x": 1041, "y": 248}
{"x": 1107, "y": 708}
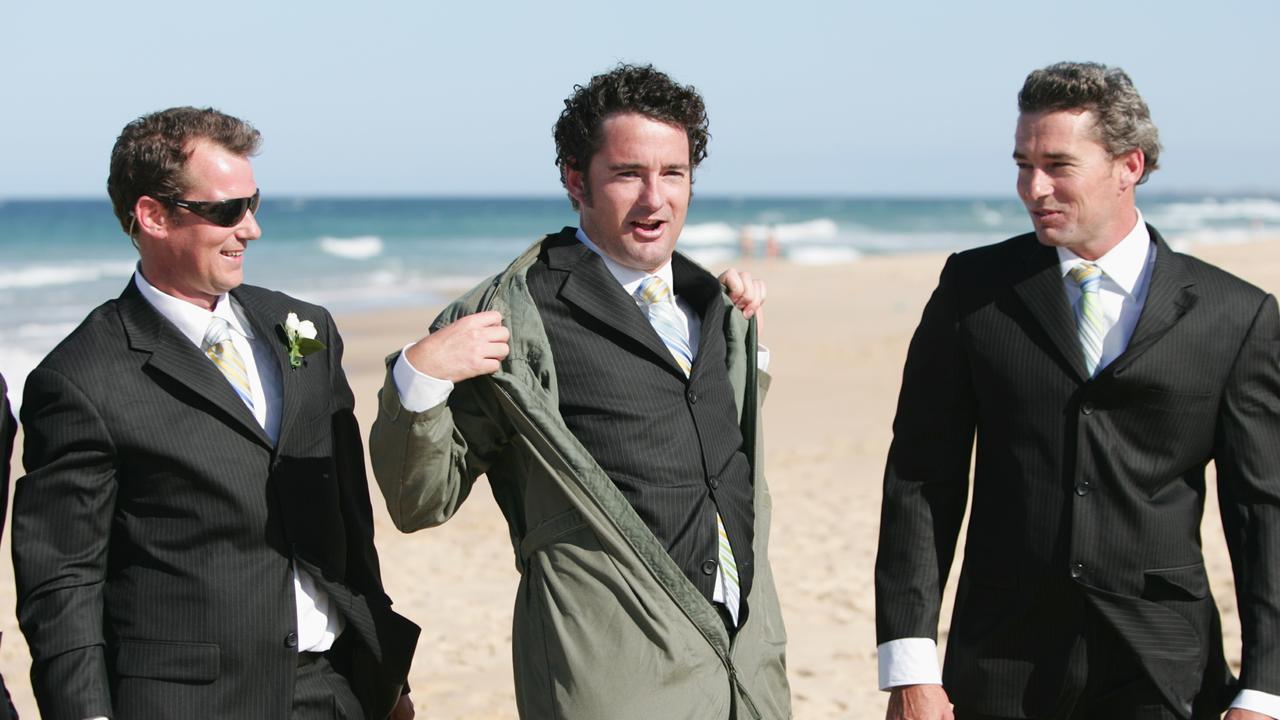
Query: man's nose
{"x": 1039, "y": 185}
{"x": 249, "y": 228}
{"x": 651, "y": 193}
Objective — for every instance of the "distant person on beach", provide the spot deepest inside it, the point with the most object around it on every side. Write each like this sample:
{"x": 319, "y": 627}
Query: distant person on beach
{"x": 8, "y": 429}
{"x": 193, "y": 538}
{"x": 1100, "y": 373}
{"x": 610, "y": 391}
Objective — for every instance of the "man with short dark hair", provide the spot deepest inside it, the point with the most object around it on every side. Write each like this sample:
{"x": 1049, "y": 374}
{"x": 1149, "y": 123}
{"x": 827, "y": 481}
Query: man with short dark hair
{"x": 610, "y": 391}
{"x": 1100, "y": 372}
{"x": 193, "y": 537}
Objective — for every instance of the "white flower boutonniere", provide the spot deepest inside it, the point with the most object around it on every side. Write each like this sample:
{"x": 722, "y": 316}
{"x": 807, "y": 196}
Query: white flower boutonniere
{"x": 300, "y": 337}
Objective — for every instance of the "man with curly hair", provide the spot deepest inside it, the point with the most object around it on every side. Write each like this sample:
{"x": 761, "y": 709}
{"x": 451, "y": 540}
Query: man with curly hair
{"x": 611, "y": 392}
{"x": 1099, "y": 372}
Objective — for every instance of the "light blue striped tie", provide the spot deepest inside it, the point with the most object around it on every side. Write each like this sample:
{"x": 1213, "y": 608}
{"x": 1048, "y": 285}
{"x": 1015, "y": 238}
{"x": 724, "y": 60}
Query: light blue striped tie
{"x": 218, "y": 346}
{"x": 670, "y": 325}
{"x": 666, "y": 320}
{"x": 1089, "y": 321}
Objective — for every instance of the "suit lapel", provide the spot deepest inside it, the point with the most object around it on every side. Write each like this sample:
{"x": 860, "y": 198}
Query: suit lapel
{"x": 1043, "y": 293}
{"x": 265, "y": 318}
{"x": 701, "y": 292}
{"x": 590, "y": 287}
{"x": 172, "y": 354}
{"x": 1169, "y": 297}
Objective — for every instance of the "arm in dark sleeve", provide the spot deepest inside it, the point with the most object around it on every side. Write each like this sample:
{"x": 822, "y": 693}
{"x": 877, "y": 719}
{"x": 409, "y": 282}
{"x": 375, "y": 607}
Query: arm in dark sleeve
{"x": 926, "y": 477}
{"x": 62, "y": 515}
{"x": 363, "y": 571}
{"x": 1247, "y": 456}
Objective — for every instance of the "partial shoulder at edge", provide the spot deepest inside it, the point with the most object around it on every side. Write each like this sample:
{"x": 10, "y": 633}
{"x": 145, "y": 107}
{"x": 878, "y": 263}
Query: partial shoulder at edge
{"x": 100, "y": 328}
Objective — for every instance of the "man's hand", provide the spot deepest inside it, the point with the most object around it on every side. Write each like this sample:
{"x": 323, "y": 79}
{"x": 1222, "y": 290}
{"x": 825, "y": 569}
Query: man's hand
{"x": 747, "y": 294}
{"x": 403, "y": 709}
{"x": 1242, "y": 714}
{"x": 467, "y": 347}
{"x": 919, "y": 702}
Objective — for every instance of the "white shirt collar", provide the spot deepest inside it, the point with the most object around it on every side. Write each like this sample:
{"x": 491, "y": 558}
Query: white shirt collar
{"x": 629, "y": 278}
{"x": 191, "y": 320}
{"x": 1124, "y": 263}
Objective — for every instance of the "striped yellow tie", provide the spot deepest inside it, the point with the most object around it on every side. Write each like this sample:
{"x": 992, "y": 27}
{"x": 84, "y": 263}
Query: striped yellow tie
{"x": 218, "y": 346}
{"x": 666, "y": 320}
{"x": 1089, "y": 321}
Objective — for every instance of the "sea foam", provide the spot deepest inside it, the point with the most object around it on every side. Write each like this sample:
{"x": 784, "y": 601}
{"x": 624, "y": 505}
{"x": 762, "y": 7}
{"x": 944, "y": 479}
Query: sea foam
{"x": 361, "y": 247}
{"x": 1192, "y": 215}
{"x": 37, "y": 276}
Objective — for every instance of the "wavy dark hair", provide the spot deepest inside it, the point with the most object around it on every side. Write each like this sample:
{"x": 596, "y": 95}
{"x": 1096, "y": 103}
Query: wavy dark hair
{"x": 1122, "y": 119}
{"x": 626, "y": 88}
{"x": 150, "y": 156}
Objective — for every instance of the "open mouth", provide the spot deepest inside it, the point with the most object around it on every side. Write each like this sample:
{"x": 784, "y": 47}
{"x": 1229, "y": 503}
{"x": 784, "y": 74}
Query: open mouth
{"x": 652, "y": 226}
{"x": 232, "y": 253}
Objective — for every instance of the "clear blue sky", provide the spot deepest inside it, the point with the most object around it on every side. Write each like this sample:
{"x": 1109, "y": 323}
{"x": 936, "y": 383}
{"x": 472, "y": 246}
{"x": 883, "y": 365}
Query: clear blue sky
{"x": 450, "y": 98}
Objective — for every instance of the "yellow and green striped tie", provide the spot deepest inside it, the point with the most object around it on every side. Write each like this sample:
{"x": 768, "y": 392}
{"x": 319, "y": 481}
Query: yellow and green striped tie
{"x": 1089, "y": 321}
{"x": 218, "y": 346}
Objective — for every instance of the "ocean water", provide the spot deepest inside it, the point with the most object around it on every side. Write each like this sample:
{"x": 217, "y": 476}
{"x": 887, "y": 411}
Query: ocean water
{"x": 60, "y": 259}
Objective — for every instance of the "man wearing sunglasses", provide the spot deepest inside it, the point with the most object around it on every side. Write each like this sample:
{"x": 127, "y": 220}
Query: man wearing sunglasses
{"x": 193, "y": 537}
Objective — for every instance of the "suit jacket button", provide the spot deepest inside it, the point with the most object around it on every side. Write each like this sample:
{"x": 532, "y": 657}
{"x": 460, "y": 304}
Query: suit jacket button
{"x": 709, "y": 567}
{"x": 1083, "y": 487}
{"x": 1086, "y": 407}
{"x": 1077, "y": 570}
{"x": 693, "y": 397}
{"x": 714, "y": 482}
{"x": 291, "y": 640}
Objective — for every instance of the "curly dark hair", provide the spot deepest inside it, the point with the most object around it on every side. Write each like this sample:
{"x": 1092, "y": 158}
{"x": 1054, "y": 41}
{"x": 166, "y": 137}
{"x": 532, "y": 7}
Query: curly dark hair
{"x": 626, "y": 88}
{"x": 150, "y": 156}
{"x": 1123, "y": 121}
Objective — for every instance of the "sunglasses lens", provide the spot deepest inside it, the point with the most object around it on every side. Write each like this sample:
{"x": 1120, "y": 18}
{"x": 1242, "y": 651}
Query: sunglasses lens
{"x": 227, "y": 213}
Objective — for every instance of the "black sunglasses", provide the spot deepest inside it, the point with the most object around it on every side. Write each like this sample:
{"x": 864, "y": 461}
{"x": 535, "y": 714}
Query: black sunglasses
{"x": 225, "y": 213}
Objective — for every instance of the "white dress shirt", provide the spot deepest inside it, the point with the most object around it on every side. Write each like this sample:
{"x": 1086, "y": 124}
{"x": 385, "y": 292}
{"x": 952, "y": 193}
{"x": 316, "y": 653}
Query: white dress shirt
{"x": 419, "y": 391}
{"x": 1126, "y": 277}
{"x": 318, "y": 624}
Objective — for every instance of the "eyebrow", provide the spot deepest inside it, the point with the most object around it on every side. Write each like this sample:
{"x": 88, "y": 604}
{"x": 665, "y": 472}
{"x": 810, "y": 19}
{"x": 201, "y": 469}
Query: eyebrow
{"x": 1017, "y": 155}
{"x": 641, "y": 166}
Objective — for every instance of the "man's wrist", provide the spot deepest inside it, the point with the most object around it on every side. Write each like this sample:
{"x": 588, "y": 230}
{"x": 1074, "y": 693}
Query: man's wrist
{"x": 418, "y": 391}
{"x": 908, "y": 661}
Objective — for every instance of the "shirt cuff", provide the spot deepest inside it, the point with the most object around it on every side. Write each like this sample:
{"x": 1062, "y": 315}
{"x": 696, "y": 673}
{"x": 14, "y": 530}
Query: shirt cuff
{"x": 1258, "y": 702}
{"x": 762, "y": 358}
{"x": 418, "y": 391}
{"x": 908, "y": 661}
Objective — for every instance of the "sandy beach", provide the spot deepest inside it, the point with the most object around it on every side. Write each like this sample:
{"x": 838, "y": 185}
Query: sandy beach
{"x": 839, "y": 335}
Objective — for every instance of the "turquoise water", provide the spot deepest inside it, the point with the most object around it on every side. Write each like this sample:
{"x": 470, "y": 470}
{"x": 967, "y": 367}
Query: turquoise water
{"x": 59, "y": 259}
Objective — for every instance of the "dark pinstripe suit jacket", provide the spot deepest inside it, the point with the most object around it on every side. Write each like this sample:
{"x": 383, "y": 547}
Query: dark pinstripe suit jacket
{"x": 154, "y": 531}
{"x": 616, "y": 379}
{"x": 8, "y": 428}
{"x": 1087, "y": 493}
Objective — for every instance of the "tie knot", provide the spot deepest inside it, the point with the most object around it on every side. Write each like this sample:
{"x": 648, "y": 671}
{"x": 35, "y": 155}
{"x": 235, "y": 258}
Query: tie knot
{"x": 653, "y": 290}
{"x": 1087, "y": 276}
{"x": 219, "y": 332}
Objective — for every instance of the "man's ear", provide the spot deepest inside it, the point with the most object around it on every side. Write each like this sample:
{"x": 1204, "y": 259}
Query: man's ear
{"x": 151, "y": 216}
{"x": 575, "y": 182}
{"x": 1132, "y": 164}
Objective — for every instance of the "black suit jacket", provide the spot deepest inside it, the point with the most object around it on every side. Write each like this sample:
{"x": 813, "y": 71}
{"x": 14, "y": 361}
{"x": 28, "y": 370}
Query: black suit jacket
{"x": 1087, "y": 493}
{"x": 8, "y": 428}
{"x": 615, "y": 376}
{"x": 155, "y": 528}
